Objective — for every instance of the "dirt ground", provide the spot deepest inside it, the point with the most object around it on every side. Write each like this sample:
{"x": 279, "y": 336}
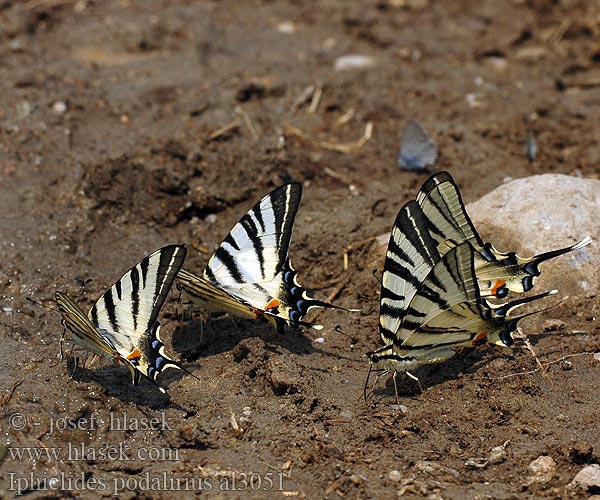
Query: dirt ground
{"x": 128, "y": 125}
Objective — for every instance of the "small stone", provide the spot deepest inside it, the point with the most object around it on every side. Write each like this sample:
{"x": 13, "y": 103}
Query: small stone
{"x": 353, "y": 61}
{"x": 286, "y": 27}
{"x": 356, "y": 479}
{"x": 346, "y": 414}
{"x": 402, "y": 408}
{"x": 395, "y": 476}
{"x": 210, "y": 219}
{"x": 542, "y": 468}
{"x": 597, "y": 356}
{"x": 59, "y": 107}
{"x": 588, "y": 477}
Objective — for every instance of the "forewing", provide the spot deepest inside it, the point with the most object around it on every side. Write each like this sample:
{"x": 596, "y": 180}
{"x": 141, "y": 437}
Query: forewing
{"x": 442, "y": 204}
{"x": 410, "y": 256}
{"x": 131, "y": 306}
{"x": 256, "y": 249}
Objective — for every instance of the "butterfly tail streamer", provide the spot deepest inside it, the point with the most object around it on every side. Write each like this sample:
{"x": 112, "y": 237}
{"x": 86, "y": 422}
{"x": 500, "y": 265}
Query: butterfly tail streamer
{"x": 532, "y": 266}
{"x": 502, "y": 314}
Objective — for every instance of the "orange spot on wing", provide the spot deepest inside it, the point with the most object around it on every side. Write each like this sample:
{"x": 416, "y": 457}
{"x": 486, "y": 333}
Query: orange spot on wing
{"x": 273, "y": 304}
{"x": 135, "y": 354}
{"x": 479, "y": 338}
{"x": 497, "y": 285}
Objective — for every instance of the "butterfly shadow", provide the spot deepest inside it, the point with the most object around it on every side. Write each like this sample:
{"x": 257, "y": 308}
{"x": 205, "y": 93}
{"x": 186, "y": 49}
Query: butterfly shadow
{"x": 117, "y": 382}
{"x": 197, "y": 339}
{"x": 469, "y": 361}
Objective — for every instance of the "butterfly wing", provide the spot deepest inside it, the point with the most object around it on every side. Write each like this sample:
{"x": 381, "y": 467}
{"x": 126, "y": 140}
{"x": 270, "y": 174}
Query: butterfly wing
{"x": 252, "y": 264}
{"x": 417, "y": 151}
{"x": 84, "y": 332}
{"x": 128, "y": 311}
{"x": 447, "y": 307}
{"x": 410, "y": 256}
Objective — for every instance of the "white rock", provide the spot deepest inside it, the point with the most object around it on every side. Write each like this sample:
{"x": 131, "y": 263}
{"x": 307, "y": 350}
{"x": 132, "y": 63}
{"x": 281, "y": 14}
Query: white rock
{"x": 588, "y": 477}
{"x": 353, "y": 61}
{"x": 395, "y": 476}
{"x": 542, "y": 213}
{"x": 542, "y": 469}
{"x": 59, "y": 107}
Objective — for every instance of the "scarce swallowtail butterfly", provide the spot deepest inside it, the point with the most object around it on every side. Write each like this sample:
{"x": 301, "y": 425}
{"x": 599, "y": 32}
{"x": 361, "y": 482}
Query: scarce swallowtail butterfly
{"x": 417, "y": 151}
{"x": 430, "y": 300}
{"x": 123, "y": 324}
{"x": 250, "y": 274}
{"x": 497, "y": 273}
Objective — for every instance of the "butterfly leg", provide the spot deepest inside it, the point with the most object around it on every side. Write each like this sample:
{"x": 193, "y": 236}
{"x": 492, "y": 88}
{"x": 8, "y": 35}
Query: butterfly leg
{"x": 75, "y": 365}
{"x": 280, "y": 326}
{"x": 415, "y": 378}
{"x": 60, "y": 344}
{"x": 396, "y": 387}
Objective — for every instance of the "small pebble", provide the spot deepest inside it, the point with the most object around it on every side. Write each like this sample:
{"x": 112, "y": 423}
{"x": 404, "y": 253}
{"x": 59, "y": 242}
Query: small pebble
{"x": 286, "y": 27}
{"x": 395, "y": 476}
{"x": 346, "y": 414}
{"x": 542, "y": 468}
{"x": 59, "y": 107}
{"x": 353, "y": 61}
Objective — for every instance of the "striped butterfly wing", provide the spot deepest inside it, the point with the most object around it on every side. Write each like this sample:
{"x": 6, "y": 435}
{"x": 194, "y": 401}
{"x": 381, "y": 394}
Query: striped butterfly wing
{"x": 252, "y": 264}
{"x": 84, "y": 332}
{"x": 447, "y": 306}
{"x": 127, "y": 314}
{"x": 497, "y": 273}
{"x": 410, "y": 256}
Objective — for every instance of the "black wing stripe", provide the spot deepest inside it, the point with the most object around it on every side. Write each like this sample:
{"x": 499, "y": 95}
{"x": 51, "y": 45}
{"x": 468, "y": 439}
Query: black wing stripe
{"x": 135, "y": 295}
{"x": 110, "y": 309}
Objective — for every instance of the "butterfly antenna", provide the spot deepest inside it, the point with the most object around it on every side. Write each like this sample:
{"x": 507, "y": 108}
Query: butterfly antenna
{"x": 374, "y": 273}
{"x": 42, "y": 305}
{"x": 82, "y": 284}
{"x": 367, "y": 383}
{"x": 338, "y": 329}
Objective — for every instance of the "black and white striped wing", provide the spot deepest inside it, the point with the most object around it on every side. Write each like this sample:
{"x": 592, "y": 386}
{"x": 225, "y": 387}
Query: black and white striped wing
{"x": 447, "y": 306}
{"x": 256, "y": 249}
{"x": 442, "y": 204}
{"x": 497, "y": 273}
{"x": 253, "y": 267}
{"x": 127, "y": 313}
{"x": 410, "y": 256}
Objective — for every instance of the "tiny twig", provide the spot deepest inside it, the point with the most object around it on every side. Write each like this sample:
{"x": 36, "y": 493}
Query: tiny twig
{"x": 316, "y": 99}
{"x": 248, "y": 122}
{"x": 235, "y": 124}
{"x": 547, "y": 364}
{"x": 521, "y": 335}
{"x": 6, "y": 398}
